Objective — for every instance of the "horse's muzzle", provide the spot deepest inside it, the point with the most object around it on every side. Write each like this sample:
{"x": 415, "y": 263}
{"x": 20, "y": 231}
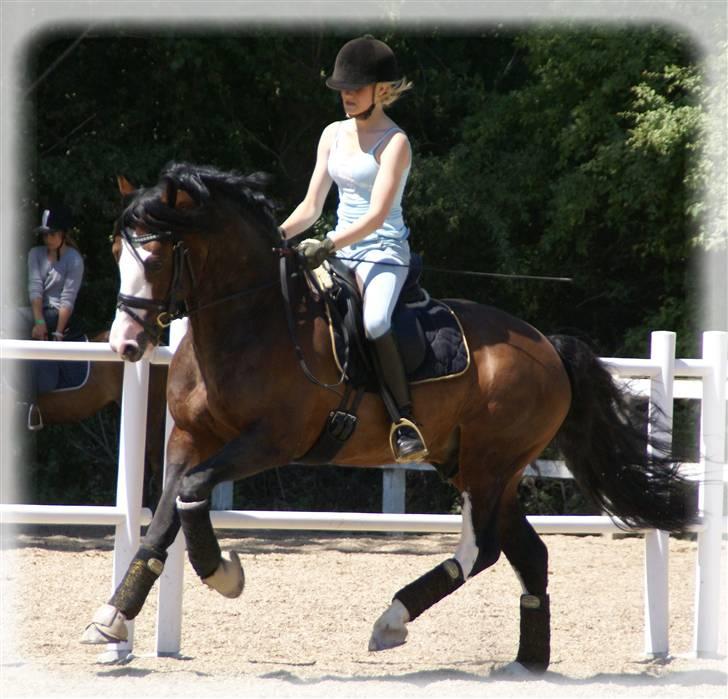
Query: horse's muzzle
{"x": 131, "y": 352}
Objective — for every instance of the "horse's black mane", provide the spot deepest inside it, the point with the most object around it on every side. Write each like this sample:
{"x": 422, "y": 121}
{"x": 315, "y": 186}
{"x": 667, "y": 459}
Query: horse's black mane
{"x": 201, "y": 183}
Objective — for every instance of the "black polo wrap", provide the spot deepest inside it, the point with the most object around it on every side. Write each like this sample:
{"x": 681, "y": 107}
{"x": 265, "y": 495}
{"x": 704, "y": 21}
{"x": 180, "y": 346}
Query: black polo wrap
{"x": 534, "y": 648}
{"x": 203, "y": 549}
{"x": 142, "y": 573}
{"x": 431, "y": 587}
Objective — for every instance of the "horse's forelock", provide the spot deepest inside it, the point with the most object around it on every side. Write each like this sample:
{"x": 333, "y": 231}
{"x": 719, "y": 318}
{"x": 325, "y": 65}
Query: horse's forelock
{"x": 154, "y": 208}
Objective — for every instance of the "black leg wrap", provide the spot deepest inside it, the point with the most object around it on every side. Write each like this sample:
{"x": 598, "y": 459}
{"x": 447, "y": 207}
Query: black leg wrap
{"x": 134, "y": 589}
{"x": 431, "y": 587}
{"x": 202, "y": 547}
{"x": 534, "y": 649}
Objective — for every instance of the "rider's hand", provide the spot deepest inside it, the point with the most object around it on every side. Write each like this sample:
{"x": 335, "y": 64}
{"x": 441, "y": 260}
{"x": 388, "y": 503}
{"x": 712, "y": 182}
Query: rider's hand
{"x": 315, "y": 251}
{"x": 40, "y": 331}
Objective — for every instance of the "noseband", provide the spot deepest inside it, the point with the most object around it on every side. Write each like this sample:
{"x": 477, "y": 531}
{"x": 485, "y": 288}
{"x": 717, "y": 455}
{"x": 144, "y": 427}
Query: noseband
{"x": 169, "y": 308}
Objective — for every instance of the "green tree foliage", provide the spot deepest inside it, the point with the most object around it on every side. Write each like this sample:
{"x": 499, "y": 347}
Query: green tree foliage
{"x": 585, "y": 169}
{"x": 558, "y": 150}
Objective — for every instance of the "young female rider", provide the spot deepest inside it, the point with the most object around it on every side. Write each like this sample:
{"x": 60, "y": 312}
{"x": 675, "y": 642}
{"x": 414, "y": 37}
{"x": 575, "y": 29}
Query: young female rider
{"x": 369, "y": 157}
{"x": 55, "y": 275}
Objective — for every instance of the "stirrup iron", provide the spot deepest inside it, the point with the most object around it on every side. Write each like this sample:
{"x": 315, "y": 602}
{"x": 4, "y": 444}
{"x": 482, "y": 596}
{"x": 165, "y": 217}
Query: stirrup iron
{"x": 34, "y": 412}
{"x": 410, "y": 458}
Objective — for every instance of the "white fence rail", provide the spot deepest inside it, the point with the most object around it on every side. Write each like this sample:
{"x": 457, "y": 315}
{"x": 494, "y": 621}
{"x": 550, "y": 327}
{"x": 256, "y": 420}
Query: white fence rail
{"x": 661, "y": 377}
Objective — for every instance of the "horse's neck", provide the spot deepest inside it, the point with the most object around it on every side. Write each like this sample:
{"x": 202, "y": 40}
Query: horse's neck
{"x": 242, "y": 326}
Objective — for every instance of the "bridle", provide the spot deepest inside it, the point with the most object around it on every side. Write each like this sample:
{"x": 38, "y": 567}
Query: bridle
{"x": 171, "y": 307}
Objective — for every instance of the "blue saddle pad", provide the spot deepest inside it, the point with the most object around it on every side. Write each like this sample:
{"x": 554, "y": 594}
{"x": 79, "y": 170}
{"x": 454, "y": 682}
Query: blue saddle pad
{"x": 429, "y": 334}
{"x": 72, "y": 375}
{"x": 446, "y": 349}
{"x": 69, "y": 376}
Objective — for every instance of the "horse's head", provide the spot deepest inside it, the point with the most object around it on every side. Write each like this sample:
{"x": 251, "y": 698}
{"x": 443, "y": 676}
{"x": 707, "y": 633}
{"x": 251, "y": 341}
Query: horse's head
{"x": 150, "y": 257}
{"x": 165, "y": 235}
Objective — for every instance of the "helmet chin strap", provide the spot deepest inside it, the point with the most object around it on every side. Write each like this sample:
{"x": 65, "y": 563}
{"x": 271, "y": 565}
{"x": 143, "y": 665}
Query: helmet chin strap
{"x": 363, "y": 115}
{"x": 367, "y": 112}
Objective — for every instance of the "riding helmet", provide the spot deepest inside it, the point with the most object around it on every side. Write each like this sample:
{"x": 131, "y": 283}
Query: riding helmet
{"x": 361, "y": 62}
{"x": 56, "y": 218}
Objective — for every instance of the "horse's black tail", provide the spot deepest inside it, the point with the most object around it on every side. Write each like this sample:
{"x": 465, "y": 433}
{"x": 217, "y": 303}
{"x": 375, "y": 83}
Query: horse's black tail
{"x": 605, "y": 443}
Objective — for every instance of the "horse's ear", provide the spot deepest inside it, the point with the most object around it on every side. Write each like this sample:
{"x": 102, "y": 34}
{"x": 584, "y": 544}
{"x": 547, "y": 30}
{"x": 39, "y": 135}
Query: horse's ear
{"x": 184, "y": 200}
{"x": 125, "y": 187}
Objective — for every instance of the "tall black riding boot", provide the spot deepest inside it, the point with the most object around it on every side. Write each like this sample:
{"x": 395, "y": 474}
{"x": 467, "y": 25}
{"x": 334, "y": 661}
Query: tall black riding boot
{"x": 405, "y": 437}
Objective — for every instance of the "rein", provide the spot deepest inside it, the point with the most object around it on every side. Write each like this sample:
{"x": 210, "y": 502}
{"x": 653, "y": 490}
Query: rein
{"x": 170, "y": 308}
{"x": 285, "y": 254}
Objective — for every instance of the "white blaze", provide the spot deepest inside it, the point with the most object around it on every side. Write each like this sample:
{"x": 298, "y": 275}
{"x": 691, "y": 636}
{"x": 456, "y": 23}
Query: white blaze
{"x": 133, "y": 283}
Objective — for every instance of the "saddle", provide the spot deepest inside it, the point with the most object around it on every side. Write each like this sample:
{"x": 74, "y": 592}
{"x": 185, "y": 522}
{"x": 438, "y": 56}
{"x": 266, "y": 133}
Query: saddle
{"x": 429, "y": 334}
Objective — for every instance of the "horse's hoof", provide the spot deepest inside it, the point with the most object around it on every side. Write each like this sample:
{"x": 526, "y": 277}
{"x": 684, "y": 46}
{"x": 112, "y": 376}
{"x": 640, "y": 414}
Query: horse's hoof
{"x": 108, "y": 625}
{"x": 390, "y": 630}
{"x": 520, "y": 669}
{"x": 228, "y": 579}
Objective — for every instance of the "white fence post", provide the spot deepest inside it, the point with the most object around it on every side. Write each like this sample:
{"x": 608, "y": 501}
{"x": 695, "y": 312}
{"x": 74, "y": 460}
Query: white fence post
{"x": 171, "y": 582}
{"x": 657, "y": 543}
{"x": 130, "y": 483}
{"x": 394, "y": 486}
{"x": 222, "y": 496}
{"x": 712, "y": 461}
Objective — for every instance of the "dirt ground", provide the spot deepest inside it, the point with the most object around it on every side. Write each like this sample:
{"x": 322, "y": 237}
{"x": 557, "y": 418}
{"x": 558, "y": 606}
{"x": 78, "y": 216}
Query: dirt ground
{"x": 301, "y": 627}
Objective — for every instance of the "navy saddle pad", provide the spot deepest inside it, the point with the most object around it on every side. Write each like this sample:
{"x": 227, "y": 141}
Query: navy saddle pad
{"x": 428, "y": 332}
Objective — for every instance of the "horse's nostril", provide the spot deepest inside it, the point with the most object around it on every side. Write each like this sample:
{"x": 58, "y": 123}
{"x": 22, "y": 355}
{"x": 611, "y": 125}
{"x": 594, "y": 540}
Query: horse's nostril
{"x": 131, "y": 352}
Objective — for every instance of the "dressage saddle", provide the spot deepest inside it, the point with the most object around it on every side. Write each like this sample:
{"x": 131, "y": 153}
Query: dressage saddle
{"x": 430, "y": 338}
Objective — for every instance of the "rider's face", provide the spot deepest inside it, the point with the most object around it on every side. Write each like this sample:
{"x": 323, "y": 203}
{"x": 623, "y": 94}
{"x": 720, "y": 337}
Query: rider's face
{"x": 357, "y": 101}
{"x": 53, "y": 239}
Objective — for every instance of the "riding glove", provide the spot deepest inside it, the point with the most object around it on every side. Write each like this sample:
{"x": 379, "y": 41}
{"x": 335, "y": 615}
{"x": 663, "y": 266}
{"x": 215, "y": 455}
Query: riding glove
{"x": 315, "y": 251}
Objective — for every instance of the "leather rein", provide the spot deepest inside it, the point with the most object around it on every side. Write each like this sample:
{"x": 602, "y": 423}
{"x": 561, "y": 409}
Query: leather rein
{"x": 173, "y": 307}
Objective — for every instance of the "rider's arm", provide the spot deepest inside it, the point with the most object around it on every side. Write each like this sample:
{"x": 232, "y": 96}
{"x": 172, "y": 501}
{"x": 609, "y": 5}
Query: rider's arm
{"x": 35, "y": 295}
{"x": 69, "y": 293}
{"x": 394, "y": 159}
{"x": 309, "y": 210}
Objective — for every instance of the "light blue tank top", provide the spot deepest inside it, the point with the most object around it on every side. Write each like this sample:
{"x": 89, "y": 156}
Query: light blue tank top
{"x": 354, "y": 175}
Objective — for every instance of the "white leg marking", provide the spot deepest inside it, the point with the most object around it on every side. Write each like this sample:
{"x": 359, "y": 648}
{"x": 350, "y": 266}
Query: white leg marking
{"x": 390, "y": 629}
{"x": 520, "y": 580}
{"x": 467, "y": 550}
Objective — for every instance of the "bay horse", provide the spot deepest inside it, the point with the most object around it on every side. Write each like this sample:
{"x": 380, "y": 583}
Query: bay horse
{"x": 241, "y": 404}
{"x": 103, "y": 387}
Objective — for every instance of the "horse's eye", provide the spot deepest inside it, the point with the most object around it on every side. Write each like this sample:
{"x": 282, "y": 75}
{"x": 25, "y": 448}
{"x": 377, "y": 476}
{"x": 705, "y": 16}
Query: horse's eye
{"x": 153, "y": 264}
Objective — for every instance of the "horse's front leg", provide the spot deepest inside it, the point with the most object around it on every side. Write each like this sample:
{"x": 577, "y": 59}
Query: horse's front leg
{"x": 242, "y": 457}
{"x": 108, "y": 624}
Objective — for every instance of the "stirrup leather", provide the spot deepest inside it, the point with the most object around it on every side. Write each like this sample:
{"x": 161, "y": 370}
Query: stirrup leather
{"x": 416, "y": 456}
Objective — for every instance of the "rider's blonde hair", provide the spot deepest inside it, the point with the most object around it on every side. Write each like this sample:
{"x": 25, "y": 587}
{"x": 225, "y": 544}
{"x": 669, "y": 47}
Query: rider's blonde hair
{"x": 389, "y": 93}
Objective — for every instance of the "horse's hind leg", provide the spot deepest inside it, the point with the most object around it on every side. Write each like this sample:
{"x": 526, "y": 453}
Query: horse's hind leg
{"x": 108, "y": 623}
{"x": 477, "y": 549}
{"x": 528, "y": 555}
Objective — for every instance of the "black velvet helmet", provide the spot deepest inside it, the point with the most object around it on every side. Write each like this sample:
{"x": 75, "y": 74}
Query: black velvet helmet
{"x": 55, "y": 218}
{"x": 361, "y": 62}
